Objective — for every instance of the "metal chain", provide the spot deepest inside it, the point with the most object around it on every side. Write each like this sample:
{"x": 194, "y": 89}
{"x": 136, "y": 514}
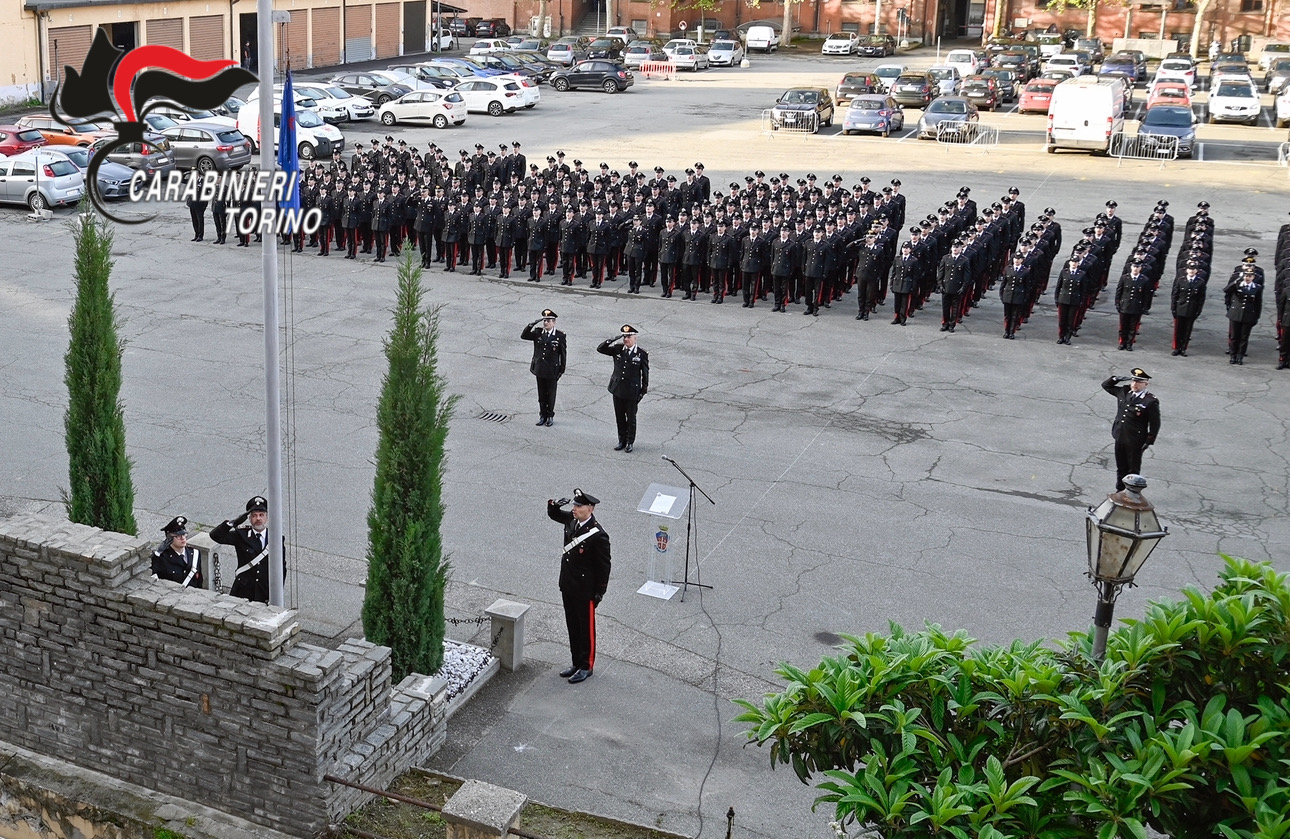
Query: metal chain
{"x": 493, "y": 646}
{"x": 462, "y": 621}
{"x": 216, "y": 584}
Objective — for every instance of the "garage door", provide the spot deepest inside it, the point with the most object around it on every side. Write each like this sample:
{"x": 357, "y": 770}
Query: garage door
{"x": 207, "y": 37}
{"x": 296, "y": 36}
{"x": 358, "y": 33}
{"x": 387, "y": 30}
{"x": 326, "y": 26}
{"x": 68, "y": 46}
{"x": 414, "y": 27}
{"x": 166, "y": 32}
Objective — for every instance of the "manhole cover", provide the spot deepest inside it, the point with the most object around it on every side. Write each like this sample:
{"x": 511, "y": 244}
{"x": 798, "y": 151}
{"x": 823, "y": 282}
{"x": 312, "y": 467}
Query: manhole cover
{"x": 493, "y": 416}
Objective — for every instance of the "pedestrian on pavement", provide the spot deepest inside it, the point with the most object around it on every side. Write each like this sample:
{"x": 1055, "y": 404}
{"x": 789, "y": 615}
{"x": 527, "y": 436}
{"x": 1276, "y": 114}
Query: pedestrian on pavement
{"x": 550, "y": 350}
{"x": 629, "y": 382}
{"x": 1136, "y": 424}
{"x": 585, "y": 563}
{"x": 173, "y": 560}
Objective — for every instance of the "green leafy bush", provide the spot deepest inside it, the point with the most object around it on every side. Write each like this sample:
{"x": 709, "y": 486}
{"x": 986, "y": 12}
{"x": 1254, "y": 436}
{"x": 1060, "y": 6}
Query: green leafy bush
{"x": 1183, "y": 727}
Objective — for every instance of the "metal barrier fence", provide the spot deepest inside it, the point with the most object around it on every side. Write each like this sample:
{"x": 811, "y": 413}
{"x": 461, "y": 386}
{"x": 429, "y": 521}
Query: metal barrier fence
{"x": 1158, "y": 147}
{"x": 967, "y": 134}
{"x": 664, "y": 70}
{"x": 806, "y": 124}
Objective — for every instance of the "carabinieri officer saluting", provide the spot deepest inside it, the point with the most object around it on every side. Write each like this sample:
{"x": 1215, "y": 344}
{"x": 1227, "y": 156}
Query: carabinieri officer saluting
{"x": 174, "y": 560}
{"x": 251, "y": 541}
{"x": 584, "y": 576}
{"x": 549, "y": 353}
{"x": 629, "y": 382}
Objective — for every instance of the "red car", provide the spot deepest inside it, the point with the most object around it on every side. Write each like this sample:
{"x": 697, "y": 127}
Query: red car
{"x": 1166, "y": 92}
{"x": 15, "y": 139}
{"x": 1036, "y": 96}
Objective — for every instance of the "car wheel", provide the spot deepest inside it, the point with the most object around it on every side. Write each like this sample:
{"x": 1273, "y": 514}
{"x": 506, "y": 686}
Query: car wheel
{"x": 382, "y": 99}
{"x": 37, "y": 201}
{"x": 306, "y": 151}
{"x": 560, "y": 84}
{"x": 387, "y": 118}
{"x": 886, "y": 132}
{"x": 1051, "y": 149}
{"x": 529, "y": 106}
{"x": 609, "y": 86}
{"x": 440, "y": 121}
{"x": 1211, "y": 119}
{"x": 204, "y": 164}
{"x": 495, "y": 109}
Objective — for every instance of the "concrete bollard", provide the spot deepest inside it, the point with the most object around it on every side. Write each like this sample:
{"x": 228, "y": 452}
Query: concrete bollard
{"x": 482, "y": 811}
{"x": 508, "y": 619}
{"x": 205, "y": 547}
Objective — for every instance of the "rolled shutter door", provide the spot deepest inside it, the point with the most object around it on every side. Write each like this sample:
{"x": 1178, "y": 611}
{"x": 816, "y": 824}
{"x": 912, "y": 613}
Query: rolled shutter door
{"x": 207, "y": 38}
{"x": 326, "y": 27}
{"x": 387, "y": 30}
{"x": 358, "y": 33}
{"x": 297, "y": 37}
{"x": 414, "y": 27}
{"x": 166, "y": 32}
{"x": 68, "y": 46}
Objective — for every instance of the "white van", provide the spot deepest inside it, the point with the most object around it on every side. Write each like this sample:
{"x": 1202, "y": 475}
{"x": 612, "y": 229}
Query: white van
{"x": 314, "y": 138}
{"x": 962, "y": 60}
{"x": 763, "y": 38}
{"x": 1084, "y": 112}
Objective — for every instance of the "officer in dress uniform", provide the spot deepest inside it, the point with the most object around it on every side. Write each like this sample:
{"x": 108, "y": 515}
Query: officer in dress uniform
{"x": 173, "y": 560}
{"x": 549, "y": 355}
{"x": 585, "y": 564}
{"x": 1244, "y": 296}
{"x": 1136, "y": 424}
{"x": 1132, "y": 299}
{"x": 248, "y": 534}
{"x": 629, "y": 382}
{"x": 1186, "y": 300}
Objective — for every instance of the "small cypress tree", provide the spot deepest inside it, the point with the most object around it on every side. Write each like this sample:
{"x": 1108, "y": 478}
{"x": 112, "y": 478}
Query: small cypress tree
{"x": 101, "y": 494}
{"x": 406, "y": 568}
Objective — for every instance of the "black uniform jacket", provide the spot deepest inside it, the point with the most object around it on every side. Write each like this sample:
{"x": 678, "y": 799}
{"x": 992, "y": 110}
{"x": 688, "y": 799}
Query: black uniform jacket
{"x": 549, "y": 351}
{"x": 584, "y": 568}
{"x": 1137, "y": 417}
{"x": 169, "y": 565}
{"x": 252, "y": 584}
{"x": 630, "y": 379}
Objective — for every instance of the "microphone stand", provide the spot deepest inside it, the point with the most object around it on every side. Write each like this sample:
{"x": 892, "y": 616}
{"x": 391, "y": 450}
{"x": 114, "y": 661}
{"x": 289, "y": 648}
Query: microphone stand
{"x": 690, "y": 526}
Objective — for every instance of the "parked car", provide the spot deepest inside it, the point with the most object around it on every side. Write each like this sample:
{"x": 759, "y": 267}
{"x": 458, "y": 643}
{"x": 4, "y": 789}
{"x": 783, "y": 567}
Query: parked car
{"x": 965, "y": 61}
{"x": 947, "y": 79}
{"x": 1050, "y": 43}
{"x": 981, "y": 91}
{"x": 1006, "y": 80}
{"x": 420, "y": 77}
{"x": 726, "y": 53}
{"x": 335, "y": 103}
{"x": 880, "y": 114}
{"x": 1283, "y": 108}
{"x": 314, "y": 138}
{"x": 1018, "y": 62}
{"x": 448, "y": 40}
{"x": 512, "y": 65}
{"x": 151, "y": 157}
{"x": 439, "y": 108}
{"x": 876, "y": 46}
{"x": 1272, "y": 51}
{"x": 671, "y": 46}
{"x": 1119, "y": 65}
{"x": 1057, "y": 76}
{"x": 606, "y": 75}
{"x": 1181, "y": 69}
{"x": 760, "y": 37}
{"x": 856, "y": 84}
{"x": 1167, "y": 92}
{"x": 1220, "y": 70}
{"x": 538, "y": 44}
{"x": 230, "y": 107}
{"x": 492, "y": 96}
{"x": 57, "y": 134}
{"x": 610, "y": 49}
{"x": 40, "y": 179}
{"x": 1069, "y": 61}
{"x": 568, "y": 51}
{"x": 948, "y": 114}
{"x": 691, "y": 58}
{"x": 207, "y": 146}
{"x": 372, "y": 85}
{"x": 914, "y": 89}
{"x": 488, "y": 45}
{"x": 642, "y": 51}
{"x": 1036, "y": 96}
{"x": 840, "y": 43}
{"x": 1234, "y": 100}
{"x": 623, "y": 33}
{"x": 1093, "y": 46}
{"x": 1277, "y": 76}
{"x": 1171, "y": 121}
{"x": 802, "y": 106}
{"x": 887, "y": 74}
{"x": 113, "y": 178}
{"x": 460, "y": 28}
{"x": 1139, "y": 59}
{"x": 492, "y": 28}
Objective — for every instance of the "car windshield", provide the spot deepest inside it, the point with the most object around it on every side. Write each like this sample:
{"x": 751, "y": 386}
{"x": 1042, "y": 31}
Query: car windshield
{"x": 941, "y": 73}
{"x": 230, "y": 136}
{"x": 888, "y": 72}
{"x": 1281, "y": 64}
{"x": 308, "y": 119}
{"x": 947, "y": 106}
{"x": 1234, "y": 89}
{"x": 799, "y": 97}
{"x": 1048, "y": 39}
{"x": 840, "y": 36}
{"x": 159, "y": 123}
{"x": 385, "y": 78}
{"x": 875, "y": 40}
{"x": 867, "y": 104}
{"x": 1035, "y": 87}
{"x": 723, "y": 45}
{"x": 1170, "y": 116}
{"x": 604, "y": 43}
{"x": 79, "y": 156}
{"x": 88, "y": 128}
{"x": 910, "y": 80}
{"x": 975, "y": 87}
{"x": 562, "y": 48}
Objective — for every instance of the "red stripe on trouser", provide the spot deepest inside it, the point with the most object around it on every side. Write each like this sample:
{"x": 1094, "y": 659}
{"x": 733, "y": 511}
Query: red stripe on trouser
{"x": 591, "y": 630}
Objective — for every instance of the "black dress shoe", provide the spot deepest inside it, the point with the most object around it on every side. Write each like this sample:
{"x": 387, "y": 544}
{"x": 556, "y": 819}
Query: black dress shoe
{"x": 621, "y": 445}
{"x": 550, "y": 421}
{"x": 629, "y": 448}
{"x": 579, "y": 676}
{"x": 567, "y": 672}
{"x": 541, "y": 421}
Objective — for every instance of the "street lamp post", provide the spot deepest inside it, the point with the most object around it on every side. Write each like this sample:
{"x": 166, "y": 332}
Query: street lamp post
{"x": 1122, "y": 532}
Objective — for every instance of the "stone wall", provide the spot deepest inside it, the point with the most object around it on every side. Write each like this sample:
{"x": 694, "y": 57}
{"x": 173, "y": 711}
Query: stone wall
{"x": 191, "y": 693}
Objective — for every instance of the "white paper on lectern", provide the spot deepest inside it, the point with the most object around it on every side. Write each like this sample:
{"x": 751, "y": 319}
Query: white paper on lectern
{"x": 662, "y": 503}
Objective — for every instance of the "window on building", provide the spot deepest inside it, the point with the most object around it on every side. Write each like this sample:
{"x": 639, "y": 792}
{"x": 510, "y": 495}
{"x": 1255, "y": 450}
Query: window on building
{"x": 641, "y": 26}
{"x": 851, "y": 27}
{"x": 1251, "y": 5}
{"x": 1185, "y": 6}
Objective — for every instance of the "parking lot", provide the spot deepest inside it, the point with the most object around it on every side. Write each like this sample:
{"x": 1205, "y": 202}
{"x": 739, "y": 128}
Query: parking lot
{"x": 861, "y": 472}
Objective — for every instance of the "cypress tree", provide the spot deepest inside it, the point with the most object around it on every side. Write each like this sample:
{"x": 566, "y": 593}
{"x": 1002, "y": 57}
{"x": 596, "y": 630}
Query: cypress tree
{"x": 406, "y": 568}
{"x": 101, "y": 494}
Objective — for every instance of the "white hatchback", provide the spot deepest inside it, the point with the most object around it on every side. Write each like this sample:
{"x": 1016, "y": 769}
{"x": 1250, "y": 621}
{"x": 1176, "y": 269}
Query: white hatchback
{"x": 489, "y": 46}
{"x": 440, "y": 108}
{"x": 1235, "y": 100}
{"x": 493, "y": 96}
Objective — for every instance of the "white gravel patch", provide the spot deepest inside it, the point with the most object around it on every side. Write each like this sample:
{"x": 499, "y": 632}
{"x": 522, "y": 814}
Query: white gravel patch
{"x": 461, "y": 664}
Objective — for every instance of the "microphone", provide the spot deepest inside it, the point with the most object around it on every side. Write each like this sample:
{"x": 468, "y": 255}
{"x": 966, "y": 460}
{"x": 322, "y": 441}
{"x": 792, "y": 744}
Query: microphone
{"x": 668, "y": 459}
